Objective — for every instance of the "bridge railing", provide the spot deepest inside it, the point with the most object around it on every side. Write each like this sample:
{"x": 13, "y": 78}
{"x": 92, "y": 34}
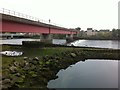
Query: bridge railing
{"x": 21, "y": 15}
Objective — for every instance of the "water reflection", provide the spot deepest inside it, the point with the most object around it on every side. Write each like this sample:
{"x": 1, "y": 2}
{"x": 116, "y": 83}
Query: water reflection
{"x": 88, "y": 74}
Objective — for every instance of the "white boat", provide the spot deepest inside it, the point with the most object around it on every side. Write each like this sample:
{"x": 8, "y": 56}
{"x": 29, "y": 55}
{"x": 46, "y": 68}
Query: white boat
{"x": 11, "y": 53}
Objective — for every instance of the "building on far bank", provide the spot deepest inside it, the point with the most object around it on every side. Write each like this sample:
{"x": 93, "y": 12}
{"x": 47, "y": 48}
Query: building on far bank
{"x": 91, "y": 32}
{"x": 104, "y": 31}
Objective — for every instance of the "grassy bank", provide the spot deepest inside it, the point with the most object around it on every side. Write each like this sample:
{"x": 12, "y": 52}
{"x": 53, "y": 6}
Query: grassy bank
{"x": 39, "y": 65}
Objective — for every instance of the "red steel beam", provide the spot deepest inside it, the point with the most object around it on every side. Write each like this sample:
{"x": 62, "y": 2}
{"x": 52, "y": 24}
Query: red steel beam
{"x": 10, "y": 26}
{"x": 15, "y": 24}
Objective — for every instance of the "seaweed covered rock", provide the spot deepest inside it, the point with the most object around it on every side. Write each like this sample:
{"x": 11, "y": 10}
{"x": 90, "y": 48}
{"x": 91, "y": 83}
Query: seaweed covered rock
{"x": 16, "y": 63}
{"x": 73, "y": 55}
{"x": 13, "y": 69}
{"x": 36, "y": 58}
{"x": 6, "y": 83}
{"x": 25, "y": 58}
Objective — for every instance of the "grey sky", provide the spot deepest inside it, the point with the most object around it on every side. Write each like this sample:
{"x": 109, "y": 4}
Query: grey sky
{"x": 119, "y": 15}
{"x": 98, "y": 14}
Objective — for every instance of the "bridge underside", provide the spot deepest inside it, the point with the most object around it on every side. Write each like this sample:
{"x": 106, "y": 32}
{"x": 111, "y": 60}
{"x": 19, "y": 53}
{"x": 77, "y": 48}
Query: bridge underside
{"x": 10, "y": 26}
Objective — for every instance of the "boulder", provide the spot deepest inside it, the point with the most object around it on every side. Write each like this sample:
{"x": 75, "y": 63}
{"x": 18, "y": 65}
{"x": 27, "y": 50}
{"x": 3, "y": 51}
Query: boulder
{"x": 13, "y": 69}
{"x": 16, "y": 64}
{"x": 26, "y": 63}
{"x": 6, "y": 81}
{"x": 25, "y": 58}
{"x": 18, "y": 74}
{"x": 0, "y": 82}
{"x": 73, "y": 55}
{"x": 36, "y": 58}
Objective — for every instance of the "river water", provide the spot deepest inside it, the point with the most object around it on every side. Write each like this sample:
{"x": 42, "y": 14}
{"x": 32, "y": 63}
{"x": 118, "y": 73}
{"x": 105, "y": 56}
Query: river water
{"x": 85, "y": 43}
{"x": 98, "y": 43}
{"x": 19, "y": 41}
{"x": 93, "y": 73}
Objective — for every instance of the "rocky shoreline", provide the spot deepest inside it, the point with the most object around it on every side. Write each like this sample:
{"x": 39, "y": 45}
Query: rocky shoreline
{"x": 36, "y": 72}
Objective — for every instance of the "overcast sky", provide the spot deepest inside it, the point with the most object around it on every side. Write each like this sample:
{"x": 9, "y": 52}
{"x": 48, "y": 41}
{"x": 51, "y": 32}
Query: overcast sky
{"x": 96, "y": 14}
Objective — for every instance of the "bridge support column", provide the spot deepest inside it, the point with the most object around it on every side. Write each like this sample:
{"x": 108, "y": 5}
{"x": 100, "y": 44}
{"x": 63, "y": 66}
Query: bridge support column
{"x": 69, "y": 36}
{"x": 11, "y": 36}
{"x": 46, "y": 38}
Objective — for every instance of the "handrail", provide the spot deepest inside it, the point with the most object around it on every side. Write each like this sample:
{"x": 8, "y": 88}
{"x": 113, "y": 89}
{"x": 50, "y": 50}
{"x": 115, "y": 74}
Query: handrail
{"x": 21, "y": 15}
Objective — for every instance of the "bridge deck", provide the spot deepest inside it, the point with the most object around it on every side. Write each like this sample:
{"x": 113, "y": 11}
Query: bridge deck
{"x": 19, "y": 24}
{"x": 27, "y": 21}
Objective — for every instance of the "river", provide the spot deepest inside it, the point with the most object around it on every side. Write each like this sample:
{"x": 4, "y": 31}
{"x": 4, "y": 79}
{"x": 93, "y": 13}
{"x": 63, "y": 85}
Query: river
{"x": 98, "y": 43}
{"x": 85, "y": 43}
{"x": 93, "y": 73}
{"x": 19, "y": 41}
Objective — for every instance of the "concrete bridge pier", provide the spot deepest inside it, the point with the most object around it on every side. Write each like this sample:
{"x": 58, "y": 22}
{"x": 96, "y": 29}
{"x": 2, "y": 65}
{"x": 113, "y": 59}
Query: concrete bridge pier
{"x": 47, "y": 38}
{"x": 69, "y": 36}
{"x": 10, "y": 36}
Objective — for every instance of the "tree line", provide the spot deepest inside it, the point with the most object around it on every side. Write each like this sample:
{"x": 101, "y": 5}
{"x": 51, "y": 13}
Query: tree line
{"x": 114, "y": 34}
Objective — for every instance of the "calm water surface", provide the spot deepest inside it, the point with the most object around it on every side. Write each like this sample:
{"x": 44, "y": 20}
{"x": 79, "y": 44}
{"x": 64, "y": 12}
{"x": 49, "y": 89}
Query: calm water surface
{"x": 19, "y": 41}
{"x": 88, "y": 74}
